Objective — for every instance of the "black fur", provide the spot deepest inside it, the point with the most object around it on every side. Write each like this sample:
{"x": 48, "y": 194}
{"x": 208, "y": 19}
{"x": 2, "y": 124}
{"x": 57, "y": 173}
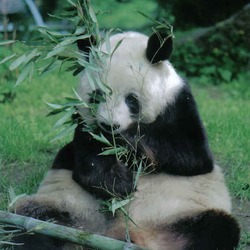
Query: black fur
{"x": 36, "y": 242}
{"x": 210, "y": 230}
{"x": 65, "y": 158}
{"x": 85, "y": 44}
{"x": 31, "y": 241}
{"x": 177, "y": 140}
{"x": 159, "y": 48}
{"x": 44, "y": 212}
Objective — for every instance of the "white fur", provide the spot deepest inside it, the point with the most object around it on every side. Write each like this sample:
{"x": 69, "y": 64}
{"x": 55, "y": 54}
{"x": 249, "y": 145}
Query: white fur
{"x": 60, "y": 192}
{"x": 164, "y": 198}
{"x": 129, "y": 71}
{"x": 160, "y": 200}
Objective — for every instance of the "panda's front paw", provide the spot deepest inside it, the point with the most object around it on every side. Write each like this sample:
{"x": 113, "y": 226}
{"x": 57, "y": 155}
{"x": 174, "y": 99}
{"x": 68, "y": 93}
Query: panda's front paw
{"x": 120, "y": 180}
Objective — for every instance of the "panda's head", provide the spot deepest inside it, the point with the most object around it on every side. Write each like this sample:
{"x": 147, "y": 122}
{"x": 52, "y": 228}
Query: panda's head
{"x": 142, "y": 81}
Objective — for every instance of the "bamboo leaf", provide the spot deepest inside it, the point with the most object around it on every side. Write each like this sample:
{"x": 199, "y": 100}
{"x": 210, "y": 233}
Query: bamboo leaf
{"x": 66, "y": 42}
{"x": 64, "y": 118}
{"x": 65, "y": 132}
{"x": 17, "y": 62}
{"x": 53, "y": 65}
{"x": 7, "y": 58}
{"x": 25, "y": 72}
{"x": 55, "y": 51}
{"x": 118, "y": 204}
{"x": 112, "y": 151}
{"x": 77, "y": 95}
{"x": 54, "y": 106}
{"x": 56, "y": 111}
{"x": 138, "y": 174}
{"x": 92, "y": 14}
{"x": 7, "y": 42}
{"x": 30, "y": 56}
{"x": 116, "y": 47}
{"x": 90, "y": 79}
{"x": 80, "y": 30}
{"x": 44, "y": 30}
{"x": 13, "y": 197}
{"x": 101, "y": 138}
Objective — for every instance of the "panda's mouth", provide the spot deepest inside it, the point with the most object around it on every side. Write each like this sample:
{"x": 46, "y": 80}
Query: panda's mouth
{"x": 108, "y": 128}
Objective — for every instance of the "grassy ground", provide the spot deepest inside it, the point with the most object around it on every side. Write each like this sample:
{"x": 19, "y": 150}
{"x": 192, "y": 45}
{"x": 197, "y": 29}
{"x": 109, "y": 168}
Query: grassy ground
{"x": 25, "y": 133}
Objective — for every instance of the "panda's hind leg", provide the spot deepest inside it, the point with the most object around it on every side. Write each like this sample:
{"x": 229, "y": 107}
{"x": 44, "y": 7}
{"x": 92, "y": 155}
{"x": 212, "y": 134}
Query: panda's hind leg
{"x": 33, "y": 207}
{"x": 209, "y": 230}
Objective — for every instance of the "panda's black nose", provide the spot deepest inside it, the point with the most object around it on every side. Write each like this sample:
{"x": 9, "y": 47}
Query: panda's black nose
{"x": 109, "y": 127}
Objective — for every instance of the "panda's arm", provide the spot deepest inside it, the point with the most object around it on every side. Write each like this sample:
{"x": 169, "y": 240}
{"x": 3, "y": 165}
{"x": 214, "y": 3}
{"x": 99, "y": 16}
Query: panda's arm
{"x": 102, "y": 175}
{"x": 178, "y": 139}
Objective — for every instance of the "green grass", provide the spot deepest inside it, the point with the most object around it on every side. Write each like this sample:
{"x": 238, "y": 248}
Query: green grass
{"x": 225, "y": 113}
{"x": 26, "y": 150}
{"x": 124, "y": 16}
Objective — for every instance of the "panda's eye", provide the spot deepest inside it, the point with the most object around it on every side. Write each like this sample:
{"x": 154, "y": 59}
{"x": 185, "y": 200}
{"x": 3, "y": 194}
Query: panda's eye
{"x": 96, "y": 96}
{"x": 133, "y": 103}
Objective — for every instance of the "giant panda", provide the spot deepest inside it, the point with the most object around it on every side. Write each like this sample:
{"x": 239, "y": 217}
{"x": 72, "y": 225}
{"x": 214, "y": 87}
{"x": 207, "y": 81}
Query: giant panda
{"x": 179, "y": 202}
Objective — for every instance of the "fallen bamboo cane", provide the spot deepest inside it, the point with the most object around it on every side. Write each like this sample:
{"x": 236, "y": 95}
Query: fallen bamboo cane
{"x": 66, "y": 233}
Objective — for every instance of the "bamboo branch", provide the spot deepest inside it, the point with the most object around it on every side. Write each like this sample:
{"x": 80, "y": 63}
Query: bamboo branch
{"x": 66, "y": 233}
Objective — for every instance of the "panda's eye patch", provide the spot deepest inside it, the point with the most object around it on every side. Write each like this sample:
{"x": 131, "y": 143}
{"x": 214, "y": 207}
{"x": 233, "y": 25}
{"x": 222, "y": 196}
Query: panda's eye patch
{"x": 133, "y": 103}
{"x": 96, "y": 96}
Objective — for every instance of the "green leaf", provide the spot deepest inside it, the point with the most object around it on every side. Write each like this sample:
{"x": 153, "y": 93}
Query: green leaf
{"x": 64, "y": 118}
{"x": 25, "y": 72}
{"x": 118, "y": 204}
{"x": 65, "y": 132}
{"x": 138, "y": 174}
{"x": 13, "y": 197}
{"x": 77, "y": 95}
{"x": 92, "y": 14}
{"x": 112, "y": 151}
{"x": 55, "y": 51}
{"x": 32, "y": 55}
{"x": 17, "y": 62}
{"x": 44, "y": 31}
{"x": 66, "y": 42}
{"x": 74, "y": 102}
{"x": 116, "y": 47}
{"x": 90, "y": 79}
{"x": 73, "y": 4}
{"x": 80, "y": 30}
{"x": 6, "y": 42}
{"x": 101, "y": 138}
{"x": 54, "y": 106}
{"x": 56, "y": 111}
{"x": 7, "y": 58}
{"x": 53, "y": 65}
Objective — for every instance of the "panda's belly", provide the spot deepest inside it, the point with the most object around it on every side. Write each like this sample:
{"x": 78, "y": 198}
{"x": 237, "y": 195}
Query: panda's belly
{"x": 163, "y": 197}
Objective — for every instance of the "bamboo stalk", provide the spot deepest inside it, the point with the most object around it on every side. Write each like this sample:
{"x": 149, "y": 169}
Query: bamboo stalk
{"x": 66, "y": 233}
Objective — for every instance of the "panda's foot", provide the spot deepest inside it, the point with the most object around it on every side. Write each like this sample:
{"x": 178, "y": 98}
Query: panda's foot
{"x": 209, "y": 230}
{"x": 37, "y": 210}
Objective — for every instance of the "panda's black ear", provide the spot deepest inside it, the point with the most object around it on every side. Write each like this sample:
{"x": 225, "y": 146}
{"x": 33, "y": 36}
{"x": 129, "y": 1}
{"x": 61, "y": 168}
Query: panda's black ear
{"x": 159, "y": 48}
{"x": 85, "y": 44}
